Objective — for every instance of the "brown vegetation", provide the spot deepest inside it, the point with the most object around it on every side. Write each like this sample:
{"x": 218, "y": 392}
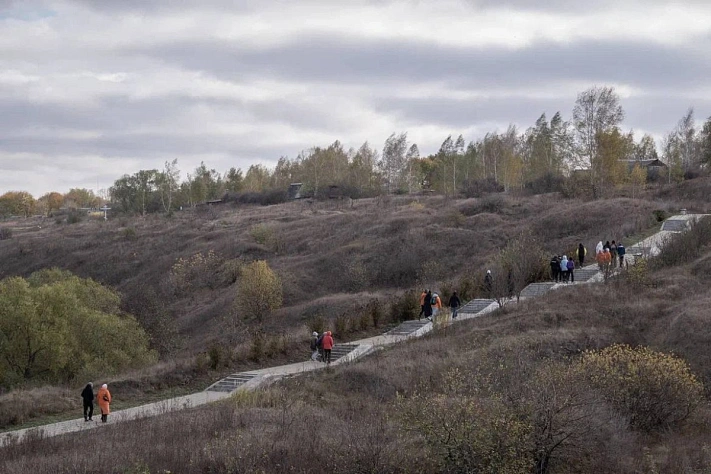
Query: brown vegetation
{"x": 333, "y": 261}
{"x": 516, "y": 391}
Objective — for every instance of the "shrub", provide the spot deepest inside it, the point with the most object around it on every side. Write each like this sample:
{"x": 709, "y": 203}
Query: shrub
{"x": 637, "y": 275}
{"x": 316, "y": 323}
{"x": 404, "y": 307}
{"x": 197, "y": 271}
{"x": 73, "y": 326}
{"x": 259, "y": 291}
{"x": 129, "y": 233}
{"x": 217, "y": 356}
{"x": 262, "y": 234}
{"x": 494, "y": 204}
{"x": 455, "y": 219}
{"x": 5, "y": 233}
{"x": 548, "y": 183}
{"x": 265, "y": 198}
{"x": 364, "y": 320}
{"x": 74, "y": 217}
{"x": 230, "y": 270}
{"x": 479, "y": 187}
{"x": 653, "y": 390}
{"x": 660, "y": 215}
{"x": 357, "y": 274}
{"x": 341, "y": 326}
{"x": 376, "y": 312}
{"x": 257, "y": 347}
{"x": 277, "y": 344}
{"x": 466, "y": 433}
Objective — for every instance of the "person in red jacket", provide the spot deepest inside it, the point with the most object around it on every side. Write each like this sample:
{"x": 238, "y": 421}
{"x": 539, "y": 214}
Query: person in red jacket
{"x": 327, "y": 346}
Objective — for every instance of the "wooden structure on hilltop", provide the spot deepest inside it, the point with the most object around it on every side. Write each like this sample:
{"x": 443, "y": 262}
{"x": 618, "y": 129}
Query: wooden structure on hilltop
{"x": 649, "y": 165}
{"x": 294, "y": 191}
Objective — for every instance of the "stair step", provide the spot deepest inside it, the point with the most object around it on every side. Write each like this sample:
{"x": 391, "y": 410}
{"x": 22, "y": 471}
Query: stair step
{"x": 407, "y": 327}
{"x": 475, "y": 306}
{"x": 231, "y": 382}
{"x": 537, "y": 289}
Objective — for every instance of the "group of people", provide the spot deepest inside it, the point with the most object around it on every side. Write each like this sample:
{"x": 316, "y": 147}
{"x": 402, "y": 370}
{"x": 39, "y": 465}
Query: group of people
{"x": 610, "y": 255}
{"x": 563, "y": 267}
{"x": 103, "y": 398}
{"x": 431, "y": 304}
{"x": 321, "y": 346}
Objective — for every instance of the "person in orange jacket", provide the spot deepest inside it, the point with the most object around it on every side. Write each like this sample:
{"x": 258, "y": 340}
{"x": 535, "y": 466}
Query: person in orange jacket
{"x": 600, "y": 257}
{"x": 327, "y": 346}
{"x": 423, "y": 295}
{"x": 104, "y": 400}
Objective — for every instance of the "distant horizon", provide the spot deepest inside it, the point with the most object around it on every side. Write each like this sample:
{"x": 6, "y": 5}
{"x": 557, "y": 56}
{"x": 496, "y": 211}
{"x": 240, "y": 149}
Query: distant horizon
{"x": 92, "y": 90}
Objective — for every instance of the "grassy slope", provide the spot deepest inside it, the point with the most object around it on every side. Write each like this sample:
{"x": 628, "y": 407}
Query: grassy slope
{"x": 400, "y": 245}
{"x": 345, "y": 419}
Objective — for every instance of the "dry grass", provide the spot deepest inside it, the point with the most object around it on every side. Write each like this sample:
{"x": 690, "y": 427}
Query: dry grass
{"x": 333, "y": 260}
{"x": 346, "y": 419}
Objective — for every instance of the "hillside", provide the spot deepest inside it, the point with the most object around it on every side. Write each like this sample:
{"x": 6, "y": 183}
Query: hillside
{"x": 326, "y": 254}
{"x": 495, "y": 394}
{"x": 334, "y": 258}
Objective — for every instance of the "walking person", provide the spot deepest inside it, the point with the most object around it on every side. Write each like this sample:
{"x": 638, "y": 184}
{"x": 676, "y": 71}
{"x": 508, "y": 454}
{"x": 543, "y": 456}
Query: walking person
{"x": 555, "y": 268}
{"x": 571, "y": 270}
{"x": 621, "y": 250}
{"x": 314, "y": 346}
{"x": 436, "y": 304}
{"x": 87, "y": 396}
{"x": 582, "y": 252}
{"x": 423, "y": 295}
{"x": 104, "y": 400}
{"x": 454, "y": 304}
{"x": 327, "y": 346}
{"x": 600, "y": 258}
{"x": 598, "y": 248}
{"x": 319, "y": 346}
{"x": 606, "y": 263}
{"x": 488, "y": 284}
{"x": 564, "y": 269}
{"x": 428, "y": 305}
{"x": 613, "y": 254}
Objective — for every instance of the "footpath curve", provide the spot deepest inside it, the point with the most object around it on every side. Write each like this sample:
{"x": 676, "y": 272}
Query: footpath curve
{"x": 342, "y": 353}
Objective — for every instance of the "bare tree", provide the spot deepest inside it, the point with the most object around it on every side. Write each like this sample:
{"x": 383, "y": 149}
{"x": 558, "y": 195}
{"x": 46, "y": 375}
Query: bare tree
{"x": 413, "y": 154}
{"x": 168, "y": 184}
{"x": 597, "y": 111}
{"x": 520, "y": 263}
{"x": 394, "y": 161}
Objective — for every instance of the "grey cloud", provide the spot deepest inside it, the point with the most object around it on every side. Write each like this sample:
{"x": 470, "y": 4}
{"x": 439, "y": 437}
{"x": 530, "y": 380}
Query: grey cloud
{"x": 162, "y": 6}
{"x": 460, "y": 114}
{"x": 343, "y": 60}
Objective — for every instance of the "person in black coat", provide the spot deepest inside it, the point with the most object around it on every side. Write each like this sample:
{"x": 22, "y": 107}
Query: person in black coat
{"x": 88, "y": 396}
{"x": 428, "y": 305}
{"x": 454, "y": 304}
{"x": 555, "y": 268}
{"x": 488, "y": 284}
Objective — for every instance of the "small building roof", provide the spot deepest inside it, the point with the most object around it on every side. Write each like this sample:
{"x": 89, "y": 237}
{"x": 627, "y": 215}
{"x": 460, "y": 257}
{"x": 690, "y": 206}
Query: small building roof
{"x": 646, "y": 163}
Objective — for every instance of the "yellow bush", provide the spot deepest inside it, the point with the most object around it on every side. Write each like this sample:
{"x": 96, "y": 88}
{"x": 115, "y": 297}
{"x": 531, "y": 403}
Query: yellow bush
{"x": 467, "y": 434}
{"x": 197, "y": 271}
{"x": 652, "y": 389}
{"x": 259, "y": 291}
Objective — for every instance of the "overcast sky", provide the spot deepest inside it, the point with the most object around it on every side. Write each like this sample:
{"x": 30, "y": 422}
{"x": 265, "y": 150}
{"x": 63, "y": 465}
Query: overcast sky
{"x": 93, "y": 89}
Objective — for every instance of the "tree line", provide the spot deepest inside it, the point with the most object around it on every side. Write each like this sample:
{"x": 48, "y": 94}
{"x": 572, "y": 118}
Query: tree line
{"x": 591, "y": 145}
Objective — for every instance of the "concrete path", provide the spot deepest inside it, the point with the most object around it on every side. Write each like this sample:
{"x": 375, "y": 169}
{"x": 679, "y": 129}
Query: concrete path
{"x": 349, "y": 352}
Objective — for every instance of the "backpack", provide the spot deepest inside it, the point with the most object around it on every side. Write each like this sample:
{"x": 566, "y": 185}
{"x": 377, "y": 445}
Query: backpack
{"x": 319, "y": 342}
{"x": 433, "y": 301}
